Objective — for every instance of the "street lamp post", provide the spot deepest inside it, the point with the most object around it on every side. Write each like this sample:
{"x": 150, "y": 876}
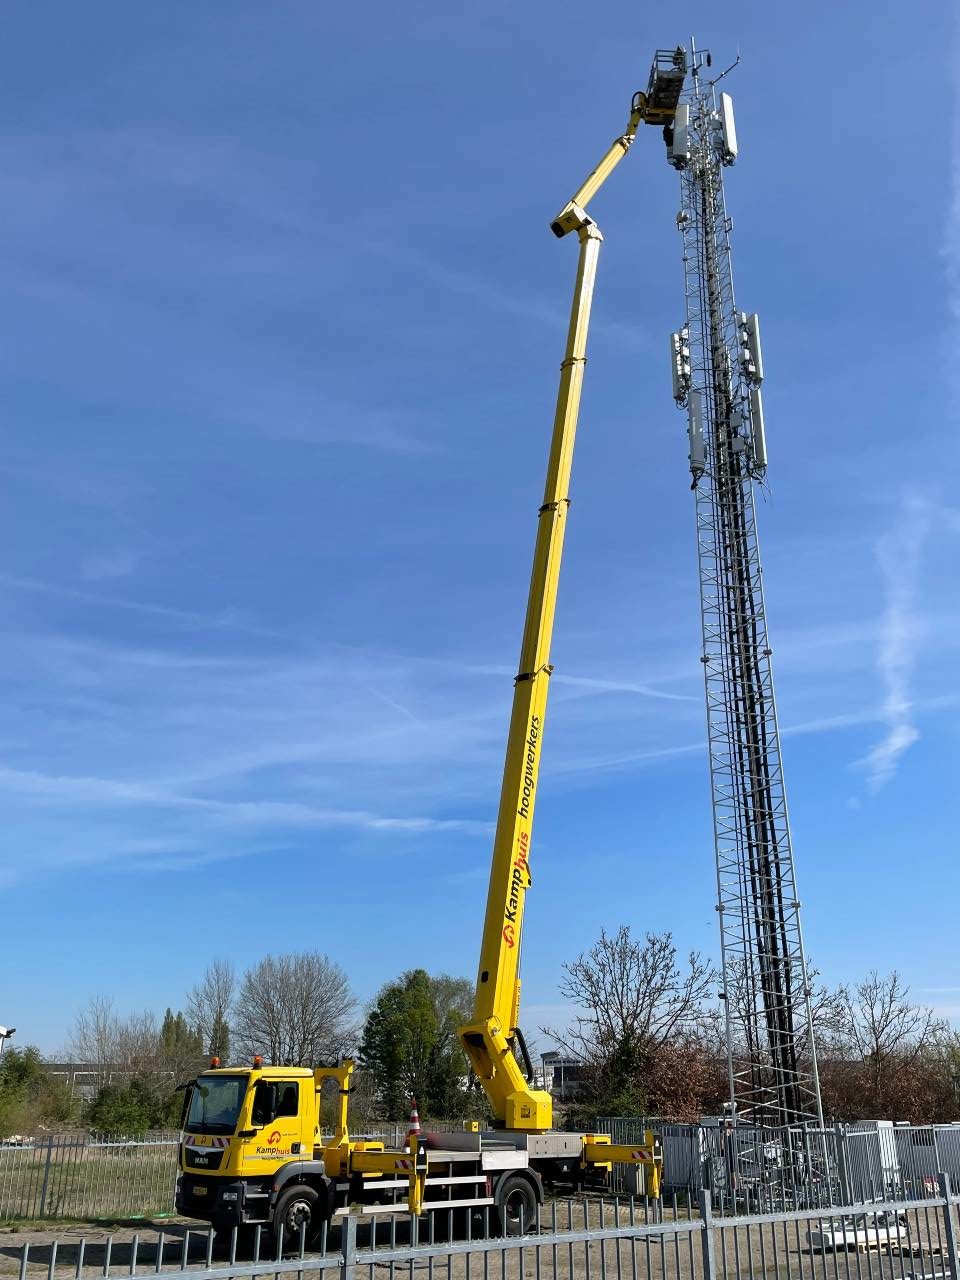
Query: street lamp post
{"x": 5, "y": 1034}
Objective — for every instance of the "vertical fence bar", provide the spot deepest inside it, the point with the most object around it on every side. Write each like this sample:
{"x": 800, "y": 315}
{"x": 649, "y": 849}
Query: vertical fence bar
{"x": 844, "y": 1151}
{"x": 46, "y": 1177}
{"x": 949, "y": 1228}
{"x": 706, "y": 1238}
{"x": 348, "y": 1247}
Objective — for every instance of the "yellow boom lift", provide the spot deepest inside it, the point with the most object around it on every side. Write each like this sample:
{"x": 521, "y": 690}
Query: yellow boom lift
{"x": 251, "y": 1150}
{"x": 492, "y": 1038}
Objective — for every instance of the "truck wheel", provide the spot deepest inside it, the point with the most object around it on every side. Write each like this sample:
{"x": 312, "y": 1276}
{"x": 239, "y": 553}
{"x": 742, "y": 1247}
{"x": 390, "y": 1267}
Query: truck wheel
{"x": 517, "y": 1205}
{"x": 295, "y": 1212}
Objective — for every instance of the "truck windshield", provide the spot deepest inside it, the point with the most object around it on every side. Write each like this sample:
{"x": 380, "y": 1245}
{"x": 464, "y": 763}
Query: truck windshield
{"x": 215, "y": 1104}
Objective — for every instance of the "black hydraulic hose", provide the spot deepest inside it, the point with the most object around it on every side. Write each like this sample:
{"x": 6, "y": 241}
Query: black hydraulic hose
{"x": 517, "y": 1042}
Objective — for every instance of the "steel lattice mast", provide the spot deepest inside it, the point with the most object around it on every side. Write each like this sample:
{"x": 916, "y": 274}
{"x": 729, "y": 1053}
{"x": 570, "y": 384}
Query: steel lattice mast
{"x": 717, "y": 371}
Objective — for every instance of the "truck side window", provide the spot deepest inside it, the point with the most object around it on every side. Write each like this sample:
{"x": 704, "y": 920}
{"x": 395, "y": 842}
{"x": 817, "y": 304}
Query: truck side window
{"x": 287, "y": 1098}
{"x": 264, "y": 1103}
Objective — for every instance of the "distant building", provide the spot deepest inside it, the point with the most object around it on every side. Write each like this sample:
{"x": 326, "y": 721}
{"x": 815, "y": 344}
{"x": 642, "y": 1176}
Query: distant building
{"x": 86, "y": 1079}
{"x": 562, "y": 1076}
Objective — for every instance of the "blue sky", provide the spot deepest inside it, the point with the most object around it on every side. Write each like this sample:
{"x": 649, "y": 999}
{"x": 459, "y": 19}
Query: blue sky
{"x": 282, "y": 326}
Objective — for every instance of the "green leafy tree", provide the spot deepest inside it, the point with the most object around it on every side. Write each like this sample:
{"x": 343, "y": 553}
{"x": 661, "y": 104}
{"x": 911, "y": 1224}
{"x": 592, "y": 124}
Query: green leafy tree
{"x": 148, "y": 1098}
{"x": 219, "y": 1046}
{"x": 181, "y": 1046}
{"x": 410, "y": 1045}
{"x": 30, "y": 1097}
{"x": 144, "y": 1102}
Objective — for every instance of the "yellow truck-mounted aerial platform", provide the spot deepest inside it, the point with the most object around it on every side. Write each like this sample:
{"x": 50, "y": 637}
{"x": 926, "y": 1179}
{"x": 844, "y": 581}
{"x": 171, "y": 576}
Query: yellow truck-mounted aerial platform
{"x": 252, "y": 1150}
{"x": 492, "y": 1040}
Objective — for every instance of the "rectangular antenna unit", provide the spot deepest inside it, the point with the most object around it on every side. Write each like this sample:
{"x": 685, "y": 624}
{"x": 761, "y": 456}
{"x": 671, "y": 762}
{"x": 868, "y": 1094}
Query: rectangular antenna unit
{"x": 680, "y": 364}
{"x": 757, "y": 432}
{"x": 751, "y": 357}
{"x": 728, "y": 130}
{"x": 695, "y": 433}
{"x": 678, "y": 151}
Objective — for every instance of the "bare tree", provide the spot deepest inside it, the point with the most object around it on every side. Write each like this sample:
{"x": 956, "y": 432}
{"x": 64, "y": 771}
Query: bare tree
{"x": 95, "y": 1032}
{"x": 880, "y": 1040}
{"x": 638, "y": 1034}
{"x": 209, "y": 1007}
{"x": 737, "y": 1001}
{"x": 294, "y": 1009}
{"x": 107, "y": 1041}
{"x": 138, "y": 1043}
{"x": 633, "y": 990}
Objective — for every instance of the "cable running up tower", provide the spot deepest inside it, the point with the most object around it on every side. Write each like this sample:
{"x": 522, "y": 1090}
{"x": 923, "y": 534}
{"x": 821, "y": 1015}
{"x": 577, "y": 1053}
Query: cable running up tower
{"x": 717, "y": 372}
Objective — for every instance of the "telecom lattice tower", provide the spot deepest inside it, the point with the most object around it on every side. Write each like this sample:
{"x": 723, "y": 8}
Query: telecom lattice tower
{"x": 717, "y": 371}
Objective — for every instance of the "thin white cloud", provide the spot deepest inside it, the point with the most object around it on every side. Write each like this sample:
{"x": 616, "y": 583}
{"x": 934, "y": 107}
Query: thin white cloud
{"x": 898, "y": 555}
{"x": 591, "y": 684}
{"x": 951, "y": 251}
{"x": 392, "y": 702}
{"x": 340, "y": 424}
{"x": 481, "y": 290}
{"x": 110, "y": 564}
{"x": 97, "y": 791}
{"x": 212, "y": 823}
{"x": 226, "y": 620}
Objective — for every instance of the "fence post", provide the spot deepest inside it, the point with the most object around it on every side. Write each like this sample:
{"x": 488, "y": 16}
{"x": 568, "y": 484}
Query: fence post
{"x": 842, "y": 1171}
{"x": 46, "y": 1177}
{"x": 706, "y": 1238}
{"x": 348, "y": 1247}
{"x": 953, "y": 1262}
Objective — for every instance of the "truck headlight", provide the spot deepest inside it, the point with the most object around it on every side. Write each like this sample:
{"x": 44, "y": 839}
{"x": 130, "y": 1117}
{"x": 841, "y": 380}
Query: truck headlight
{"x": 228, "y": 1195}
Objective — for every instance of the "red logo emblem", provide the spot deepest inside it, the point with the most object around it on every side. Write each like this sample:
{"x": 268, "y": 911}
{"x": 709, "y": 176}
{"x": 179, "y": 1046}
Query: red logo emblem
{"x": 509, "y": 935}
{"x": 274, "y": 1138}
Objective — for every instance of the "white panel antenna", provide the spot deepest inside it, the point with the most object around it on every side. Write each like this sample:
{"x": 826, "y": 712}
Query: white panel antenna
{"x": 757, "y": 430}
{"x": 728, "y": 129}
{"x": 695, "y": 433}
{"x": 680, "y": 364}
{"x": 678, "y": 152}
{"x": 751, "y": 357}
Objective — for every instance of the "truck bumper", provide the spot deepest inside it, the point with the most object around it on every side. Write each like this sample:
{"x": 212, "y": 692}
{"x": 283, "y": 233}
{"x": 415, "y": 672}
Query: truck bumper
{"x": 219, "y": 1201}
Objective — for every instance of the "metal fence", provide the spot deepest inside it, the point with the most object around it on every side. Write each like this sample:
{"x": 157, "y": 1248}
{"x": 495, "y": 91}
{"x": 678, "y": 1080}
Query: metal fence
{"x": 78, "y": 1176}
{"x": 887, "y": 1241}
{"x": 746, "y": 1170}
{"x": 764, "y": 1170}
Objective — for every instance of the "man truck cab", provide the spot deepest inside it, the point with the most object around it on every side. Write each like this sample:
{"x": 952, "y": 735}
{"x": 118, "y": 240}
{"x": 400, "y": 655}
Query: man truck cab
{"x": 247, "y": 1134}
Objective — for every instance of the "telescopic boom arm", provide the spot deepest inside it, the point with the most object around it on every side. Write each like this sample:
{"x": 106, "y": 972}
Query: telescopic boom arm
{"x": 491, "y": 1039}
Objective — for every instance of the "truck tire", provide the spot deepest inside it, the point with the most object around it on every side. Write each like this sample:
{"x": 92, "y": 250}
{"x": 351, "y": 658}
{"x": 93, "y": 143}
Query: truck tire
{"x": 296, "y": 1211}
{"x": 516, "y": 1205}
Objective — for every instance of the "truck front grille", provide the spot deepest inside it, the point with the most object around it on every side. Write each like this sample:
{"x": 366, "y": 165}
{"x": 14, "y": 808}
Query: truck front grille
{"x": 207, "y": 1158}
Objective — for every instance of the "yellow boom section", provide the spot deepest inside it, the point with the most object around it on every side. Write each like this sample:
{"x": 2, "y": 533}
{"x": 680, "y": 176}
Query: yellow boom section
{"x": 490, "y": 1038}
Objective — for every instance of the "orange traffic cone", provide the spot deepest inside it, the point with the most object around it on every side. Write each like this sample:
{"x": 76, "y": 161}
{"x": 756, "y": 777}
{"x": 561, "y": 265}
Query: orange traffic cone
{"x": 413, "y": 1133}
